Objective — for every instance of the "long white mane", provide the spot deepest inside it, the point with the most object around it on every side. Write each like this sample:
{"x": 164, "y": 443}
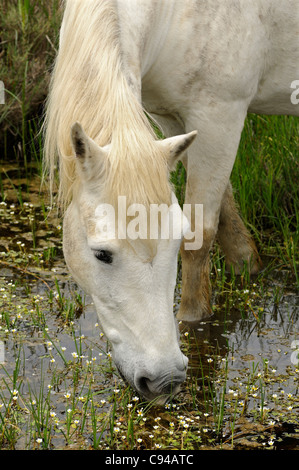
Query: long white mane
{"x": 89, "y": 85}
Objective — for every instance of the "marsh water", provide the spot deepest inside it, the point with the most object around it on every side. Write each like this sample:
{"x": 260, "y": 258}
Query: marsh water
{"x": 247, "y": 350}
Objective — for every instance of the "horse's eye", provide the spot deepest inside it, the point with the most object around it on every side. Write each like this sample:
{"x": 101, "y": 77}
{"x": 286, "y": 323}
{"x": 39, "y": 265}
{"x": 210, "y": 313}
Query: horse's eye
{"x": 104, "y": 255}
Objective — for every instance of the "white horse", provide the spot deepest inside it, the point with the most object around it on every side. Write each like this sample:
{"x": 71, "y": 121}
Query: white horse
{"x": 191, "y": 64}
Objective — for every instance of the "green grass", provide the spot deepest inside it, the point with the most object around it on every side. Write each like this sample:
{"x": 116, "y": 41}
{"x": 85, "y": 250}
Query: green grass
{"x": 265, "y": 179}
{"x": 29, "y": 33}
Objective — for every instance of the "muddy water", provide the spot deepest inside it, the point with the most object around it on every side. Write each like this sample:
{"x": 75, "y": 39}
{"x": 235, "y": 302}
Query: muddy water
{"x": 250, "y": 352}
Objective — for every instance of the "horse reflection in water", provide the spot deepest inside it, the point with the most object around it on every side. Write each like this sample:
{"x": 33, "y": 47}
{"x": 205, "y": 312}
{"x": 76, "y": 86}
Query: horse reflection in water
{"x": 192, "y": 65}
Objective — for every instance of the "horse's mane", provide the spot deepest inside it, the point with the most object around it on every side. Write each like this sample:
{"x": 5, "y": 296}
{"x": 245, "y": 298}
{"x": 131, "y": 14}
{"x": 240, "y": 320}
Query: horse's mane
{"x": 89, "y": 85}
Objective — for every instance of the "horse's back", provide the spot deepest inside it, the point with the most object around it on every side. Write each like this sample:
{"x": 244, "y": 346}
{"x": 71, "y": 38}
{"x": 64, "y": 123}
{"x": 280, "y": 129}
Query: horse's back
{"x": 239, "y": 50}
{"x": 281, "y": 61}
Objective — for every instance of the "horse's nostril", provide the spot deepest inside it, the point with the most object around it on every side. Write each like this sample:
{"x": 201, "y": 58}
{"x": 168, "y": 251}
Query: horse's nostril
{"x": 142, "y": 386}
{"x": 161, "y": 386}
{"x": 171, "y": 388}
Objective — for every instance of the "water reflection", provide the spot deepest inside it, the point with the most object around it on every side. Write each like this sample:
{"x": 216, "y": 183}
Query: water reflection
{"x": 244, "y": 340}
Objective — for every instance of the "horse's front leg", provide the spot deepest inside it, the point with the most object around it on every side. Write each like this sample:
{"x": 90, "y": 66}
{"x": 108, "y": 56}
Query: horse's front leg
{"x": 210, "y": 161}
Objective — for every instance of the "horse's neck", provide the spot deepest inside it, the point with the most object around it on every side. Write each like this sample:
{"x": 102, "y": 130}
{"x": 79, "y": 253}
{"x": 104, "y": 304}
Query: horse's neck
{"x": 91, "y": 85}
{"x": 144, "y": 25}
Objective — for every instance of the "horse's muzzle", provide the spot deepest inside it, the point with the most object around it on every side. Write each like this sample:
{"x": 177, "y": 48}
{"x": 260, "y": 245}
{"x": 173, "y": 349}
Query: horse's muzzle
{"x": 161, "y": 387}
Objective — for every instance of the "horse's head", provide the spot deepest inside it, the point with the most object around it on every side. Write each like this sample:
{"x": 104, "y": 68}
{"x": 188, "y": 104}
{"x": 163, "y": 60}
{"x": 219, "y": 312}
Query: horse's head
{"x": 131, "y": 279}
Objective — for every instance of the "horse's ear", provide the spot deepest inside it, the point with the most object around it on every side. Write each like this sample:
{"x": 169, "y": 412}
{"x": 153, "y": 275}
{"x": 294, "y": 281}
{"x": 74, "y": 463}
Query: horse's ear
{"x": 177, "y": 146}
{"x": 90, "y": 156}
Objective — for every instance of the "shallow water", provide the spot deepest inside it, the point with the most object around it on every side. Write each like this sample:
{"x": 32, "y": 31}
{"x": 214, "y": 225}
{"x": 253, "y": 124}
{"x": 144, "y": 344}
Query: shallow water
{"x": 43, "y": 337}
{"x": 255, "y": 363}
